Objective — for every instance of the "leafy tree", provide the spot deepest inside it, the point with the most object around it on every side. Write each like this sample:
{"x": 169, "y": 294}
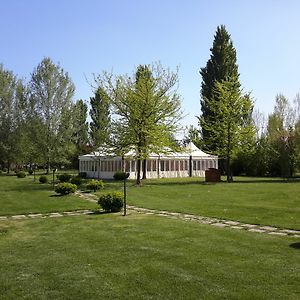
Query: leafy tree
{"x": 51, "y": 98}
{"x": 100, "y": 115}
{"x": 147, "y": 110}
{"x": 229, "y": 122}
{"x": 222, "y": 65}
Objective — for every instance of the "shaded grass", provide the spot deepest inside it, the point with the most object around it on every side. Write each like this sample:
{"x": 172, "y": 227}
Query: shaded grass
{"x": 267, "y": 201}
{"x": 143, "y": 257}
{"x": 20, "y": 196}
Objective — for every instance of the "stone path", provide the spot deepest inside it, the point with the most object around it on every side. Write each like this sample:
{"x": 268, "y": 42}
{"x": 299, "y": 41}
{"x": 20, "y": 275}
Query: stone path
{"x": 186, "y": 217}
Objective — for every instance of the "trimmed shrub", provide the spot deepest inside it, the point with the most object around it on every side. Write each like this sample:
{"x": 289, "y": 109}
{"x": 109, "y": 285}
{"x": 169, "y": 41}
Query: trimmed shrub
{"x": 76, "y": 180}
{"x": 43, "y": 179}
{"x": 111, "y": 202}
{"x": 4, "y": 170}
{"x": 64, "y": 177}
{"x": 95, "y": 185}
{"x": 0, "y": 171}
{"x": 120, "y": 175}
{"x": 30, "y": 172}
{"x": 21, "y": 174}
{"x": 83, "y": 175}
{"x": 65, "y": 188}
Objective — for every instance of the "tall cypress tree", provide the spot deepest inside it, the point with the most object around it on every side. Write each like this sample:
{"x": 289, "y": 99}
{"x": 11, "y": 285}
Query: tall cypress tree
{"x": 100, "y": 115}
{"x": 222, "y": 65}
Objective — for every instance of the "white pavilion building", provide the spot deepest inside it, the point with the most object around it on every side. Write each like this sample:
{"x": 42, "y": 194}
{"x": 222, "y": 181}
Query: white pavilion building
{"x": 190, "y": 162}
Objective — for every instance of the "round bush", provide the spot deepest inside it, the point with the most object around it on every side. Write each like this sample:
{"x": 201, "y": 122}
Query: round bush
{"x": 65, "y": 188}
{"x": 4, "y": 170}
{"x": 30, "y": 172}
{"x": 43, "y": 179}
{"x": 111, "y": 202}
{"x": 120, "y": 175}
{"x": 21, "y": 174}
{"x": 64, "y": 177}
{"x": 95, "y": 185}
{"x": 76, "y": 180}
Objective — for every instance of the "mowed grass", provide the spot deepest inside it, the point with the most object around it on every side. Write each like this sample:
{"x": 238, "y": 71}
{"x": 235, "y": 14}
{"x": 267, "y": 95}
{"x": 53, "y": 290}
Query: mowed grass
{"x": 273, "y": 202}
{"x": 22, "y": 195}
{"x": 109, "y": 256}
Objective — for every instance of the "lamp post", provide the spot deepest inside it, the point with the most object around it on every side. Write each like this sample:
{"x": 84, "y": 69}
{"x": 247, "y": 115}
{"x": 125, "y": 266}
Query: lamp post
{"x": 126, "y": 175}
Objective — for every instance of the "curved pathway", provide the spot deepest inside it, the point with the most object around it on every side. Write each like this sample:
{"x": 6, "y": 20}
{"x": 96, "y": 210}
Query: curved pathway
{"x": 186, "y": 217}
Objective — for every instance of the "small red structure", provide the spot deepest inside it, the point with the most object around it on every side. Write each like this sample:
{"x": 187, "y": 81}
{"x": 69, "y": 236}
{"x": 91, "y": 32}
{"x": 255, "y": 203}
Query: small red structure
{"x": 212, "y": 175}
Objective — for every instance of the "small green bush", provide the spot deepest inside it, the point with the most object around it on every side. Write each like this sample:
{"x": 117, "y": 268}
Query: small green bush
{"x": 0, "y": 171}
{"x": 4, "y": 170}
{"x": 30, "y": 172}
{"x": 95, "y": 185}
{"x": 111, "y": 202}
{"x": 21, "y": 174}
{"x": 65, "y": 188}
{"x": 76, "y": 180}
{"x": 120, "y": 175}
{"x": 83, "y": 175}
{"x": 43, "y": 179}
{"x": 64, "y": 177}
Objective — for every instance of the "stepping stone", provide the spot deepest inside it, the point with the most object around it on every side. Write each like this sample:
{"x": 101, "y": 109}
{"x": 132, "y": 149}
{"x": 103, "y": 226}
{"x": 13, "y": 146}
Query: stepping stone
{"x": 256, "y": 230}
{"x": 232, "y": 223}
{"x": 268, "y": 228}
{"x": 290, "y": 231}
{"x": 277, "y": 233}
{"x": 249, "y": 225}
{"x": 237, "y": 227}
{"x": 17, "y": 217}
{"x": 219, "y": 224}
{"x": 3, "y": 218}
{"x": 55, "y": 215}
{"x": 295, "y": 235}
{"x": 35, "y": 215}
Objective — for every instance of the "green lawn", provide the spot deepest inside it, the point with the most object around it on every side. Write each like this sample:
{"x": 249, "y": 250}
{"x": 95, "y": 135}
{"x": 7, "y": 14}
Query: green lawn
{"x": 22, "y": 195}
{"x": 143, "y": 257}
{"x": 272, "y": 202}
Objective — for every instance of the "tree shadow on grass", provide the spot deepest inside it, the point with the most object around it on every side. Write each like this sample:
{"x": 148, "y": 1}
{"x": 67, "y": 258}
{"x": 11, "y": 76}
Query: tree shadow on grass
{"x": 295, "y": 245}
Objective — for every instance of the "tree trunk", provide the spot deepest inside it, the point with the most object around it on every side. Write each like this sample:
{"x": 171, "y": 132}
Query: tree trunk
{"x": 138, "y": 175}
{"x": 144, "y": 169}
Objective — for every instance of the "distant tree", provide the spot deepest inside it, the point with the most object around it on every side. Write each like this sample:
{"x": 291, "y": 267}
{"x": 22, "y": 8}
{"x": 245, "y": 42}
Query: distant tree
{"x": 51, "y": 97}
{"x": 221, "y": 66}
{"x": 100, "y": 115}
{"x": 147, "y": 110}
{"x": 229, "y": 123}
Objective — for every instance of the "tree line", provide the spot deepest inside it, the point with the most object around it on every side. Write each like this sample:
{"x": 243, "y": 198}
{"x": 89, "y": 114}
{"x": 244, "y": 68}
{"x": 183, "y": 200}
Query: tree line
{"x": 42, "y": 124}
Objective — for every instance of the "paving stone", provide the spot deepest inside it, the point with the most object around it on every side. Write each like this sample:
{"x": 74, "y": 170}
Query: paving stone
{"x": 237, "y": 227}
{"x": 268, "y": 228}
{"x": 3, "y": 218}
{"x": 55, "y": 215}
{"x": 17, "y": 217}
{"x": 35, "y": 215}
{"x": 290, "y": 231}
{"x": 234, "y": 223}
{"x": 295, "y": 235}
{"x": 277, "y": 233}
{"x": 249, "y": 225}
{"x": 256, "y": 230}
{"x": 219, "y": 224}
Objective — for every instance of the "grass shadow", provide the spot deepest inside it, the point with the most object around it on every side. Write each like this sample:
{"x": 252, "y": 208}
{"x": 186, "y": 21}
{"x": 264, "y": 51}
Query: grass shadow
{"x": 295, "y": 245}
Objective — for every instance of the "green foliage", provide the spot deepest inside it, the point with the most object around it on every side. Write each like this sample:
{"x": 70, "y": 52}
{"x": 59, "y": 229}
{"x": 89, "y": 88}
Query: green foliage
{"x": 95, "y": 185}
{"x": 148, "y": 110}
{"x": 30, "y": 172}
{"x": 83, "y": 175}
{"x": 65, "y": 188}
{"x": 65, "y": 177}
{"x": 43, "y": 179}
{"x": 21, "y": 174}
{"x": 120, "y": 175}
{"x": 100, "y": 115}
{"x": 111, "y": 202}
{"x": 5, "y": 170}
{"x": 76, "y": 180}
{"x": 221, "y": 66}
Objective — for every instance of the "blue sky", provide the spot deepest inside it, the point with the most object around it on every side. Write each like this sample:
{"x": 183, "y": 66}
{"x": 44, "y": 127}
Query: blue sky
{"x": 89, "y": 36}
